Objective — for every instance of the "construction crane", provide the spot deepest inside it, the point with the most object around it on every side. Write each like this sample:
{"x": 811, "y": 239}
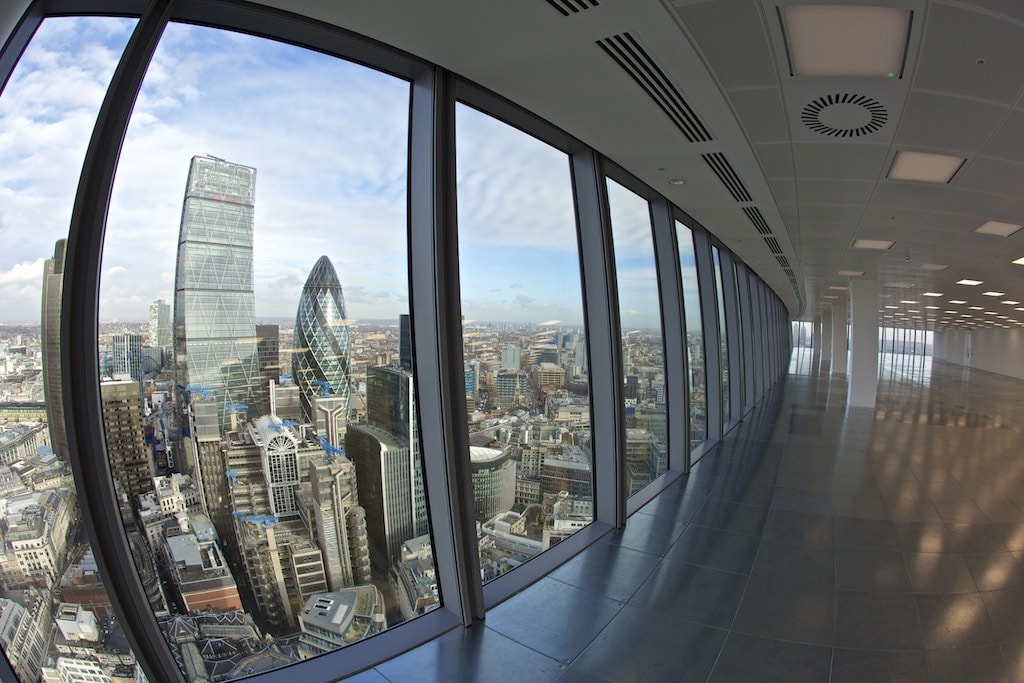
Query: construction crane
{"x": 324, "y": 385}
{"x": 266, "y": 520}
{"x": 240, "y": 514}
{"x": 330, "y": 450}
{"x": 235, "y": 407}
{"x": 205, "y": 391}
{"x": 232, "y": 475}
{"x": 289, "y": 423}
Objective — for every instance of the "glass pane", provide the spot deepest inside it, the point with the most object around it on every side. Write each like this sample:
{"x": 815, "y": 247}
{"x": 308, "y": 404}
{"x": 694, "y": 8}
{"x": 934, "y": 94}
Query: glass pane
{"x": 53, "y": 603}
{"x": 723, "y": 332}
{"x": 694, "y": 337}
{"x": 642, "y": 341}
{"x": 527, "y": 389}
{"x": 260, "y": 419}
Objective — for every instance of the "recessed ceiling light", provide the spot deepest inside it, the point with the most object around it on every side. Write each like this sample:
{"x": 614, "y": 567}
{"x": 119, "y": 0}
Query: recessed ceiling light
{"x": 932, "y": 308}
{"x": 956, "y": 301}
{"x": 879, "y": 245}
{"x": 931, "y": 294}
{"x": 676, "y": 181}
{"x": 850, "y": 273}
{"x": 838, "y": 288}
{"x": 892, "y": 306}
{"x": 907, "y": 301}
{"x": 829, "y": 296}
{"x": 912, "y": 310}
{"x": 846, "y": 40}
{"x": 932, "y": 266}
{"x": 994, "y": 294}
{"x": 925, "y": 167}
{"x": 969, "y": 283}
{"x": 997, "y": 228}
{"x": 976, "y": 308}
{"x": 1019, "y": 262}
{"x": 1010, "y": 302}
{"x": 949, "y": 311}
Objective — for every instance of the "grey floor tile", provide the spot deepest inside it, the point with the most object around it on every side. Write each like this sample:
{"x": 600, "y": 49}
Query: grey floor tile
{"x": 608, "y": 569}
{"x": 797, "y": 562}
{"x": 1006, "y": 612}
{"x": 939, "y": 573}
{"x": 748, "y": 658}
{"x": 860, "y": 666}
{"x": 983, "y": 663}
{"x": 873, "y": 533}
{"x": 729, "y": 516}
{"x": 647, "y": 533}
{"x": 925, "y": 537}
{"x": 877, "y": 621}
{"x": 553, "y": 618}
{"x": 801, "y": 527}
{"x": 954, "y": 621}
{"x": 715, "y": 548}
{"x": 995, "y": 571}
{"x": 777, "y": 609}
{"x": 698, "y": 594}
{"x": 871, "y": 569}
{"x": 980, "y": 538}
{"x": 476, "y": 654}
{"x": 635, "y": 647}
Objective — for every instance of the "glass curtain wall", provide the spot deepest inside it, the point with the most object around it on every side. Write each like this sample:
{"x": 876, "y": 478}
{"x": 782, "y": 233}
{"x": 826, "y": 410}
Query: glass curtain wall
{"x": 723, "y": 332}
{"x": 524, "y": 344}
{"x": 643, "y": 360}
{"x": 695, "y": 377}
{"x": 51, "y": 590}
{"x": 261, "y": 417}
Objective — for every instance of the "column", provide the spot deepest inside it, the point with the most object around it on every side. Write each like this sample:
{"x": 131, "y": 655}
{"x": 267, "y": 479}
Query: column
{"x": 826, "y": 334}
{"x": 863, "y": 344}
{"x": 840, "y": 338}
{"x": 816, "y": 336}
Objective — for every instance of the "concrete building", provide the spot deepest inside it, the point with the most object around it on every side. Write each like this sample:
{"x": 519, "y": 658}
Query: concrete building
{"x": 494, "y": 481}
{"x": 333, "y": 620}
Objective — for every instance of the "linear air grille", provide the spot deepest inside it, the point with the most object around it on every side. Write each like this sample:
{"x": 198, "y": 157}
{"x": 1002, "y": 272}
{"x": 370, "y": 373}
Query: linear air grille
{"x": 723, "y": 169}
{"x": 567, "y": 7}
{"x": 634, "y": 60}
{"x": 773, "y": 245}
{"x": 783, "y": 261}
{"x": 754, "y": 214}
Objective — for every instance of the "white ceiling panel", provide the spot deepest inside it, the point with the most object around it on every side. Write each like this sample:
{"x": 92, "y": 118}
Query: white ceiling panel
{"x": 840, "y": 161}
{"x": 941, "y": 122}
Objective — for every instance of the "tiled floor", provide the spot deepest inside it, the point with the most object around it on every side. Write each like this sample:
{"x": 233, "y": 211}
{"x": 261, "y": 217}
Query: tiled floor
{"x": 815, "y": 544}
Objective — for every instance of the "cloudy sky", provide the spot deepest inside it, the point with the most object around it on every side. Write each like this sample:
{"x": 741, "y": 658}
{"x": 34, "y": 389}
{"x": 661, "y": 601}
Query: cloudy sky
{"x": 329, "y": 142}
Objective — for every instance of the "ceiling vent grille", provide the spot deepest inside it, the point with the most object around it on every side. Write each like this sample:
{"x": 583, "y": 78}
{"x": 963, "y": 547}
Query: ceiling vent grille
{"x": 773, "y": 245}
{"x": 567, "y": 7}
{"x": 723, "y": 169}
{"x": 844, "y": 115}
{"x": 641, "y": 67}
{"x": 783, "y": 261}
{"x": 755, "y": 216}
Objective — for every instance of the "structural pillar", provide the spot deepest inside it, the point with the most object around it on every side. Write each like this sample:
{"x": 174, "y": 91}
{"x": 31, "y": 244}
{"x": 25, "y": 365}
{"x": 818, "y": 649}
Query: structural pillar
{"x": 840, "y": 338}
{"x": 816, "y": 336}
{"x": 826, "y": 334}
{"x": 863, "y": 384}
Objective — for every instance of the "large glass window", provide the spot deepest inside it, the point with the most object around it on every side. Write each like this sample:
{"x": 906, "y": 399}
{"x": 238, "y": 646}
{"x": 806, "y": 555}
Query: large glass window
{"x": 525, "y": 349}
{"x": 694, "y": 337}
{"x": 723, "y": 332}
{"x": 54, "y": 605}
{"x": 256, "y": 380}
{"x": 643, "y": 357}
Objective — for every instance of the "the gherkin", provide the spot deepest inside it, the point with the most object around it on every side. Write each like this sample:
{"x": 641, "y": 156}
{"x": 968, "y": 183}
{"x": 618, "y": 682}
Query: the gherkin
{"x": 320, "y": 361}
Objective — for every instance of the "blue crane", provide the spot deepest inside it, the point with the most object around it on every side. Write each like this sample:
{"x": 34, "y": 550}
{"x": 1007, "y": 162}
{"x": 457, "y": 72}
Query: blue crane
{"x": 195, "y": 387}
{"x": 239, "y": 514}
{"x": 232, "y": 475}
{"x": 324, "y": 385}
{"x": 289, "y": 423}
{"x": 235, "y": 407}
{"x": 330, "y": 450}
{"x": 266, "y": 520}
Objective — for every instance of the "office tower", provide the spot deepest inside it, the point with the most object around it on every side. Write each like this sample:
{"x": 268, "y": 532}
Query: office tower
{"x": 53, "y": 288}
{"x": 268, "y": 351}
{"x": 405, "y": 342}
{"x": 214, "y": 327}
{"x": 332, "y": 511}
{"x": 494, "y": 481}
{"x": 320, "y": 361}
{"x": 511, "y": 357}
{"x": 126, "y": 356}
{"x": 160, "y": 324}
{"x": 130, "y": 462}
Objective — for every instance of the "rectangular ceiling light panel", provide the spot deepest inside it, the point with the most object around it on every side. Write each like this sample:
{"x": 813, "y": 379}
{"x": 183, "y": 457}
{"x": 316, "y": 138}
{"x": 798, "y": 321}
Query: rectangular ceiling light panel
{"x": 879, "y": 245}
{"x": 997, "y": 228}
{"x": 846, "y": 40}
{"x": 925, "y": 167}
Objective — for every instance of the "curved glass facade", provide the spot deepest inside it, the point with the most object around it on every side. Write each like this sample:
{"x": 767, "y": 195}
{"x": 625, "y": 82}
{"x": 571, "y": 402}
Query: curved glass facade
{"x": 505, "y": 369}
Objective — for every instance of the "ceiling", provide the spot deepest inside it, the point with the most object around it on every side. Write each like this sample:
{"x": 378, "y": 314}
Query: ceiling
{"x": 702, "y": 90}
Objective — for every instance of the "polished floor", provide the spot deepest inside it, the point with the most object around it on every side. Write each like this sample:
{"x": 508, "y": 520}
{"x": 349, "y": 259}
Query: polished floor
{"x": 815, "y": 544}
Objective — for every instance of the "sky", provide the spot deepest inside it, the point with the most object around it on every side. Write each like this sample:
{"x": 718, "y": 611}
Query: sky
{"x": 329, "y": 143}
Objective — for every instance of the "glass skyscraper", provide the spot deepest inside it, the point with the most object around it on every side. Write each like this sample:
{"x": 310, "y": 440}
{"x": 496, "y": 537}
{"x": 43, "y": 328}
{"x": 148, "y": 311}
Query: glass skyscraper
{"x": 320, "y": 361}
{"x": 214, "y": 310}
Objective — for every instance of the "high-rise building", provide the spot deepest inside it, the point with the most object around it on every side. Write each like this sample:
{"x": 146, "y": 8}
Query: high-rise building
{"x": 53, "y": 288}
{"x": 511, "y": 357}
{"x": 214, "y": 326}
{"x": 320, "y": 360}
{"x": 494, "y": 481}
{"x": 268, "y": 351}
{"x": 405, "y": 341}
{"x": 160, "y": 324}
{"x": 126, "y": 356}
{"x": 130, "y": 461}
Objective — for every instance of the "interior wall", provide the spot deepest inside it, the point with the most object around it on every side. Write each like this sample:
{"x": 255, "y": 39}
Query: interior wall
{"x": 993, "y": 350}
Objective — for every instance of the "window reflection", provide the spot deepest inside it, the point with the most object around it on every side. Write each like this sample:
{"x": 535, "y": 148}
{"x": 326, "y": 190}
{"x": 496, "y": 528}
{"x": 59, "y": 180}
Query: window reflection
{"x": 57, "y": 619}
{"x": 694, "y": 337}
{"x": 527, "y": 388}
{"x": 642, "y": 342}
{"x": 260, "y": 416}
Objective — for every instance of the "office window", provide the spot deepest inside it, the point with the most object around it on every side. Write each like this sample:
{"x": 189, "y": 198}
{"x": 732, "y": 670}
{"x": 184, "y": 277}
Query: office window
{"x": 694, "y": 337}
{"x": 260, "y": 415}
{"x": 643, "y": 356}
{"x": 525, "y": 347}
{"x": 723, "y": 332}
{"x": 52, "y": 593}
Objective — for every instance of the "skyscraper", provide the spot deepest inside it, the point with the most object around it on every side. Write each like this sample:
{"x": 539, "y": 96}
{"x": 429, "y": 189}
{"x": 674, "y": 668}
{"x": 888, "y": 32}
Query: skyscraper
{"x": 320, "y": 361}
{"x": 130, "y": 461}
{"x": 126, "y": 355}
{"x": 214, "y": 326}
{"x": 405, "y": 341}
{"x": 268, "y": 351}
{"x": 160, "y": 324}
{"x": 53, "y": 288}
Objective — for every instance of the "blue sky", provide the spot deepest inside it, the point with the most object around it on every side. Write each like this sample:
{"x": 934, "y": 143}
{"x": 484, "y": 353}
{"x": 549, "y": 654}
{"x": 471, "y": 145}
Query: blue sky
{"x": 329, "y": 142}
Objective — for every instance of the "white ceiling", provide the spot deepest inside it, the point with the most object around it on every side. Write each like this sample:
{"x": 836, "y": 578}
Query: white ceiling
{"x": 960, "y": 95}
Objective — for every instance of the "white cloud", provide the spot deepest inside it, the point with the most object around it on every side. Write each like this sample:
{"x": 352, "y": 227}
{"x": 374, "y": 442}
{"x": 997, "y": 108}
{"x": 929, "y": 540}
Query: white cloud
{"x": 27, "y": 271}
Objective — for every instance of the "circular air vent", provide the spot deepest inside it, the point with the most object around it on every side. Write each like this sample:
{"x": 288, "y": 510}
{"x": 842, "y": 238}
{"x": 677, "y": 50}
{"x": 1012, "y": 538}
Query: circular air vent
{"x": 844, "y": 115}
